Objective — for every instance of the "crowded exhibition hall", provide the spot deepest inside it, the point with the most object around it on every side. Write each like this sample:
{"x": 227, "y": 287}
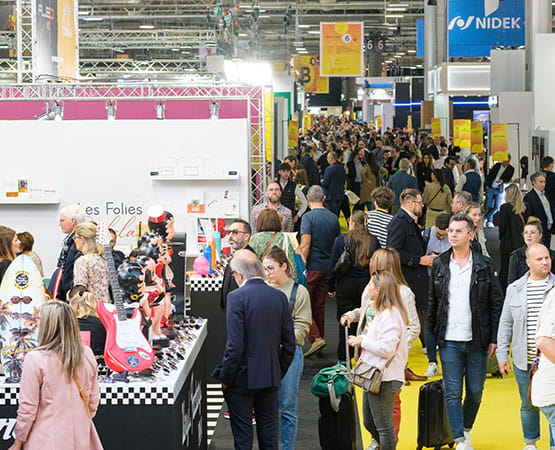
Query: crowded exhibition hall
{"x": 277, "y": 224}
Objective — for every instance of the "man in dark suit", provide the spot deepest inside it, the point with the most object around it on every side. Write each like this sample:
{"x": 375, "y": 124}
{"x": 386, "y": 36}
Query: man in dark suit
{"x": 538, "y": 205}
{"x": 259, "y": 349}
{"x": 239, "y": 235}
{"x": 307, "y": 160}
{"x": 334, "y": 183}
{"x": 547, "y": 168}
{"x": 447, "y": 170}
{"x": 500, "y": 173}
{"x": 70, "y": 217}
{"x": 403, "y": 234}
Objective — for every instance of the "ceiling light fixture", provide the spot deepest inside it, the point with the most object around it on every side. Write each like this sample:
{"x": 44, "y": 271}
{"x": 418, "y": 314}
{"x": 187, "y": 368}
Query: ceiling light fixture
{"x": 146, "y": 27}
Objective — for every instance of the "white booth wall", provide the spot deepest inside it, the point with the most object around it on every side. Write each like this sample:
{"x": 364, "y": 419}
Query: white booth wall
{"x": 105, "y": 167}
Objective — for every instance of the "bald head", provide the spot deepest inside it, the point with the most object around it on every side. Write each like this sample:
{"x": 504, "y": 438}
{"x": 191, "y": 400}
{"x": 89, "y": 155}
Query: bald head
{"x": 538, "y": 260}
{"x": 246, "y": 265}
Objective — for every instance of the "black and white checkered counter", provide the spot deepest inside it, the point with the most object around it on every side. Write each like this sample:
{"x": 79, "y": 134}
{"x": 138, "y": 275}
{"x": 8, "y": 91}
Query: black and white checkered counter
{"x": 165, "y": 411}
{"x": 206, "y": 284}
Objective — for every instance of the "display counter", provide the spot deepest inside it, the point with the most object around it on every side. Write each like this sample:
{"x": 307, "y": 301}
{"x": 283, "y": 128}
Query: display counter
{"x": 205, "y": 302}
{"x": 166, "y": 410}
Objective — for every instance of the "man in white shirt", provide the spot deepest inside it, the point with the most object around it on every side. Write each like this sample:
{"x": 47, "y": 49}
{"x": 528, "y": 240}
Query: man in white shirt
{"x": 464, "y": 306}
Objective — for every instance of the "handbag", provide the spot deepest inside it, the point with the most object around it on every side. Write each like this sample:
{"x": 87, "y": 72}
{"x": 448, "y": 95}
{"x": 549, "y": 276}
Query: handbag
{"x": 343, "y": 264}
{"x": 330, "y": 381}
{"x": 300, "y": 269}
{"x": 368, "y": 377}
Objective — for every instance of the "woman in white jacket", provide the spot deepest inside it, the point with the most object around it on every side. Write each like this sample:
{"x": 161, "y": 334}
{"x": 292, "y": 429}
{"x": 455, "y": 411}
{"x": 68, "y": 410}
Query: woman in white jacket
{"x": 383, "y": 343}
{"x": 388, "y": 259}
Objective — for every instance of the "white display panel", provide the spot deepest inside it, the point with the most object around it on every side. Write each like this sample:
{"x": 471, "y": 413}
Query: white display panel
{"x": 105, "y": 167}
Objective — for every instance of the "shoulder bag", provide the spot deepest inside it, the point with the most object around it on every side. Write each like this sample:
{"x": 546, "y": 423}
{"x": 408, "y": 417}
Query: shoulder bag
{"x": 83, "y": 396}
{"x": 343, "y": 264}
{"x": 368, "y": 377}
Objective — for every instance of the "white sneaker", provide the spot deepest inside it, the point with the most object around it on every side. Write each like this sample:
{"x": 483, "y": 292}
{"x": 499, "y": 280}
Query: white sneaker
{"x": 465, "y": 446}
{"x": 373, "y": 445}
{"x": 530, "y": 447}
{"x": 432, "y": 371}
{"x": 490, "y": 225}
{"x": 467, "y": 440}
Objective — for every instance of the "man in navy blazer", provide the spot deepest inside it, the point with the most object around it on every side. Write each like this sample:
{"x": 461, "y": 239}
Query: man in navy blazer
{"x": 334, "y": 183}
{"x": 259, "y": 349}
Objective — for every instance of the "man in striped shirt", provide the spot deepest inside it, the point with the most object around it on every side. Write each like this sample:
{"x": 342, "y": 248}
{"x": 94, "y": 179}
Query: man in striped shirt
{"x": 379, "y": 217}
{"x": 517, "y": 326}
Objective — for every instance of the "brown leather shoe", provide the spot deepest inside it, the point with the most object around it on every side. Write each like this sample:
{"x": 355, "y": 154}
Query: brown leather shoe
{"x": 410, "y": 375}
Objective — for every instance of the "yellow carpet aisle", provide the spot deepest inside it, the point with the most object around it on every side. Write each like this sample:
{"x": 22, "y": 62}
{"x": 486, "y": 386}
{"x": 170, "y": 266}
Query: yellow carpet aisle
{"x": 497, "y": 426}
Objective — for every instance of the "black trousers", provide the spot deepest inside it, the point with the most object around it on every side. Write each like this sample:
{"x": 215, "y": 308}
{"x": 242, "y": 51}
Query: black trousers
{"x": 241, "y": 403}
{"x": 348, "y": 293}
{"x": 345, "y": 208}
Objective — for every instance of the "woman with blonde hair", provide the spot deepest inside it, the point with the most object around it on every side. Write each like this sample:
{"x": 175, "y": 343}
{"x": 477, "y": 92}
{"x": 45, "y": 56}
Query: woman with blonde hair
{"x": 436, "y": 197}
{"x": 348, "y": 288}
{"x": 59, "y": 391}
{"x": 90, "y": 270}
{"x": 511, "y": 220}
{"x": 383, "y": 343}
{"x": 478, "y": 244}
{"x": 388, "y": 259}
{"x": 83, "y": 305}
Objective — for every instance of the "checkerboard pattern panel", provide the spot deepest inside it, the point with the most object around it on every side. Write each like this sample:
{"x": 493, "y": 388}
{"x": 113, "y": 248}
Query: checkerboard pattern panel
{"x": 9, "y": 394}
{"x": 206, "y": 284}
{"x": 119, "y": 394}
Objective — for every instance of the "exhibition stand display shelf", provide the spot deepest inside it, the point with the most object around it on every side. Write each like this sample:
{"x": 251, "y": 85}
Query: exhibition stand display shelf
{"x": 166, "y": 410}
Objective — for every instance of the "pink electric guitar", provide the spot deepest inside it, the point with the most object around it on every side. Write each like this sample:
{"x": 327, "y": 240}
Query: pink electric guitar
{"x": 127, "y": 349}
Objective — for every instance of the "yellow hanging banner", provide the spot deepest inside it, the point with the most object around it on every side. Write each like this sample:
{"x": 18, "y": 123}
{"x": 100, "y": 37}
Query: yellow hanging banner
{"x": 307, "y": 122}
{"x": 464, "y": 133}
{"x": 307, "y": 72}
{"x": 436, "y": 127}
{"x": 293, "y": 134}
{"x": 409, "y": 123}
{"x": 341, "y": 49}
{"x": 379, "y": 122}
{"x": 500, "y": 142}
{"x": 477, "y": 136}
{"x": 456, "y": 138}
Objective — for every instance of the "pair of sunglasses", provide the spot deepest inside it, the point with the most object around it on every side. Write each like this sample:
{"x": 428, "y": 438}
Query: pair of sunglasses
{"x": 26, "y": 300}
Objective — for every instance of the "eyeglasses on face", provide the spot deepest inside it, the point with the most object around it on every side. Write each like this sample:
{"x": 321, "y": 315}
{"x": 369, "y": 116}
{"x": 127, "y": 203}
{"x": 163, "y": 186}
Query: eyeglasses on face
{"x": 26, "y": 300}
{"x": 233, "y": 232}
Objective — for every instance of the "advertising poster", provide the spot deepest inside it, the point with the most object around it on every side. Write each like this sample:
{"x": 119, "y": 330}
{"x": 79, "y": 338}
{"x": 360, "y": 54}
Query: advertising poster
{"x": 499, "y": 142}
{"x": 45, "y": 38}
{"x": 292, "y": 141}
{"x": 55, "y": 41}
{"x": 307, "y": 70}
{"x": 477, "y": 136}
{"x": 341, "y": 49}
{"x": 456, "y": 138}
{"x": 464, "y": 133}
{"x": 436, "y": 127}
{"x": 68, "y": 58}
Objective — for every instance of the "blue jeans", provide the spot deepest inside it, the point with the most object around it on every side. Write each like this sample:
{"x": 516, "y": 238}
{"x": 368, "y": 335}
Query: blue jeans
{"x": 288, "y": 399}
{"x": 431, "y": 344}
{"x": 377, "y": 412}
{"x": 494, "y": 197}
{"x": 549, "y": 413}
{"x": 459, "y": 361}
{"x": 529, "y": 416}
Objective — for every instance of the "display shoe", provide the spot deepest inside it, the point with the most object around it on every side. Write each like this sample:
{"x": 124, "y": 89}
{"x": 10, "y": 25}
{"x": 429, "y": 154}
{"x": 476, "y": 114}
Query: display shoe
{"x": 432, "y": 370}
{"x": 316, "y": 346}
{"x": 410, "y": 375}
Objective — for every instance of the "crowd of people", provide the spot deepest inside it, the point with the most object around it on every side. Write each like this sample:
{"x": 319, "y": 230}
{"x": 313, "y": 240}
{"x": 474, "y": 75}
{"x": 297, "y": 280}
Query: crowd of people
{"x": 415, "y": 209}
{"x": 412, "y": 264}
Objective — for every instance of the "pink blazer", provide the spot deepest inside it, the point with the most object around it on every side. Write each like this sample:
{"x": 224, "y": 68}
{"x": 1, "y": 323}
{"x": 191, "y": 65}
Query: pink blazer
{"x": 51, "y": 414}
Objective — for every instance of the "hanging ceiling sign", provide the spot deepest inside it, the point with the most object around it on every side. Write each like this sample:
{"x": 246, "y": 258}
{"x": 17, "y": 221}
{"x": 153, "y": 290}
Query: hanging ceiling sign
{"x": 476, "y": 26}
{"x": 341, "y": 49}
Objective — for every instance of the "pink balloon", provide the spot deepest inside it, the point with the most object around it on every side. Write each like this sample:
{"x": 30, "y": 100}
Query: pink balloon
{"x": 201, "y": 265}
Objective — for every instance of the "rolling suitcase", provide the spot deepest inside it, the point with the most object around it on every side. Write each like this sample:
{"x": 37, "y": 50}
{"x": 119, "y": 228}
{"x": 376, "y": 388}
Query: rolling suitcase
{"x": 337, "y": 428}
{"x": 433, "y": 426}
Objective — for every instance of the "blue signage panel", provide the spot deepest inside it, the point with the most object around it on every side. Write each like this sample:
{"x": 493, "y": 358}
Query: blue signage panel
{"x": 476, "y": 26}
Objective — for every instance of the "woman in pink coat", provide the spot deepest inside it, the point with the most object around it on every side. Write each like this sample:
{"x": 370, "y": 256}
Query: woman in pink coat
{"x": 59, "y": 391}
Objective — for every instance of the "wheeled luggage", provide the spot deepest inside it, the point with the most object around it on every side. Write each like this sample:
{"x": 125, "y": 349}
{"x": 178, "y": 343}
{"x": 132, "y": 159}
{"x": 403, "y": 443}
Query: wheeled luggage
{"x": 337, "y": 422}
{"x": 433, "y": 426}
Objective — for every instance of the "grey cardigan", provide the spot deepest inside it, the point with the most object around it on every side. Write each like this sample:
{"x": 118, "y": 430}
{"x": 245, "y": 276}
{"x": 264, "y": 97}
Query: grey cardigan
{"x": 512, "y": 325}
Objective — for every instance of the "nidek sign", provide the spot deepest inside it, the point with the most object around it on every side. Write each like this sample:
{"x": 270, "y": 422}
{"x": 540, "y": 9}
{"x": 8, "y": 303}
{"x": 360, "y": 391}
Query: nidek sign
{"x": 476, "y": 26}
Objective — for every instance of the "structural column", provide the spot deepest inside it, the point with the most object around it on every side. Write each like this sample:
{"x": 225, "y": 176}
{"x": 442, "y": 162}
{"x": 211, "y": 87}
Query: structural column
{"x": 538, "y": 20}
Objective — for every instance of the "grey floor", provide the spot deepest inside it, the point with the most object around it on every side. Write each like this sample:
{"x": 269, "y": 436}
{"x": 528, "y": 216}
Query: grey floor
{"x": 307, "y": 438}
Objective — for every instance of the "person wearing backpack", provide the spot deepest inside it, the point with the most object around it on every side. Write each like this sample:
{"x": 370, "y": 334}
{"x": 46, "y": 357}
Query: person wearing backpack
{"x": 278, "y": 271}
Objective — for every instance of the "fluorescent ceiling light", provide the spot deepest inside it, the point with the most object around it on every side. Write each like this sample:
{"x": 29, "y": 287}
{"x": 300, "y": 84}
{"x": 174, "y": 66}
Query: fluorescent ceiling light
{"x": 395, "y": 16}
{"x": 313, "y": 32}
{"x": 84, "y": 12}
{"x": 305, "y": 26}
{"x": 146, "y": 27}
{"x": 395, "y": 8}
{"x": 411, "y": 51}
{"x": 93, "y": 19}
{"x": 263, "y": 17}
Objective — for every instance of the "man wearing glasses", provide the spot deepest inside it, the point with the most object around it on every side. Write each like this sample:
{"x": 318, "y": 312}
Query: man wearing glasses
{"x": 403, "y": 234}
{"x": 239, "y": 235}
